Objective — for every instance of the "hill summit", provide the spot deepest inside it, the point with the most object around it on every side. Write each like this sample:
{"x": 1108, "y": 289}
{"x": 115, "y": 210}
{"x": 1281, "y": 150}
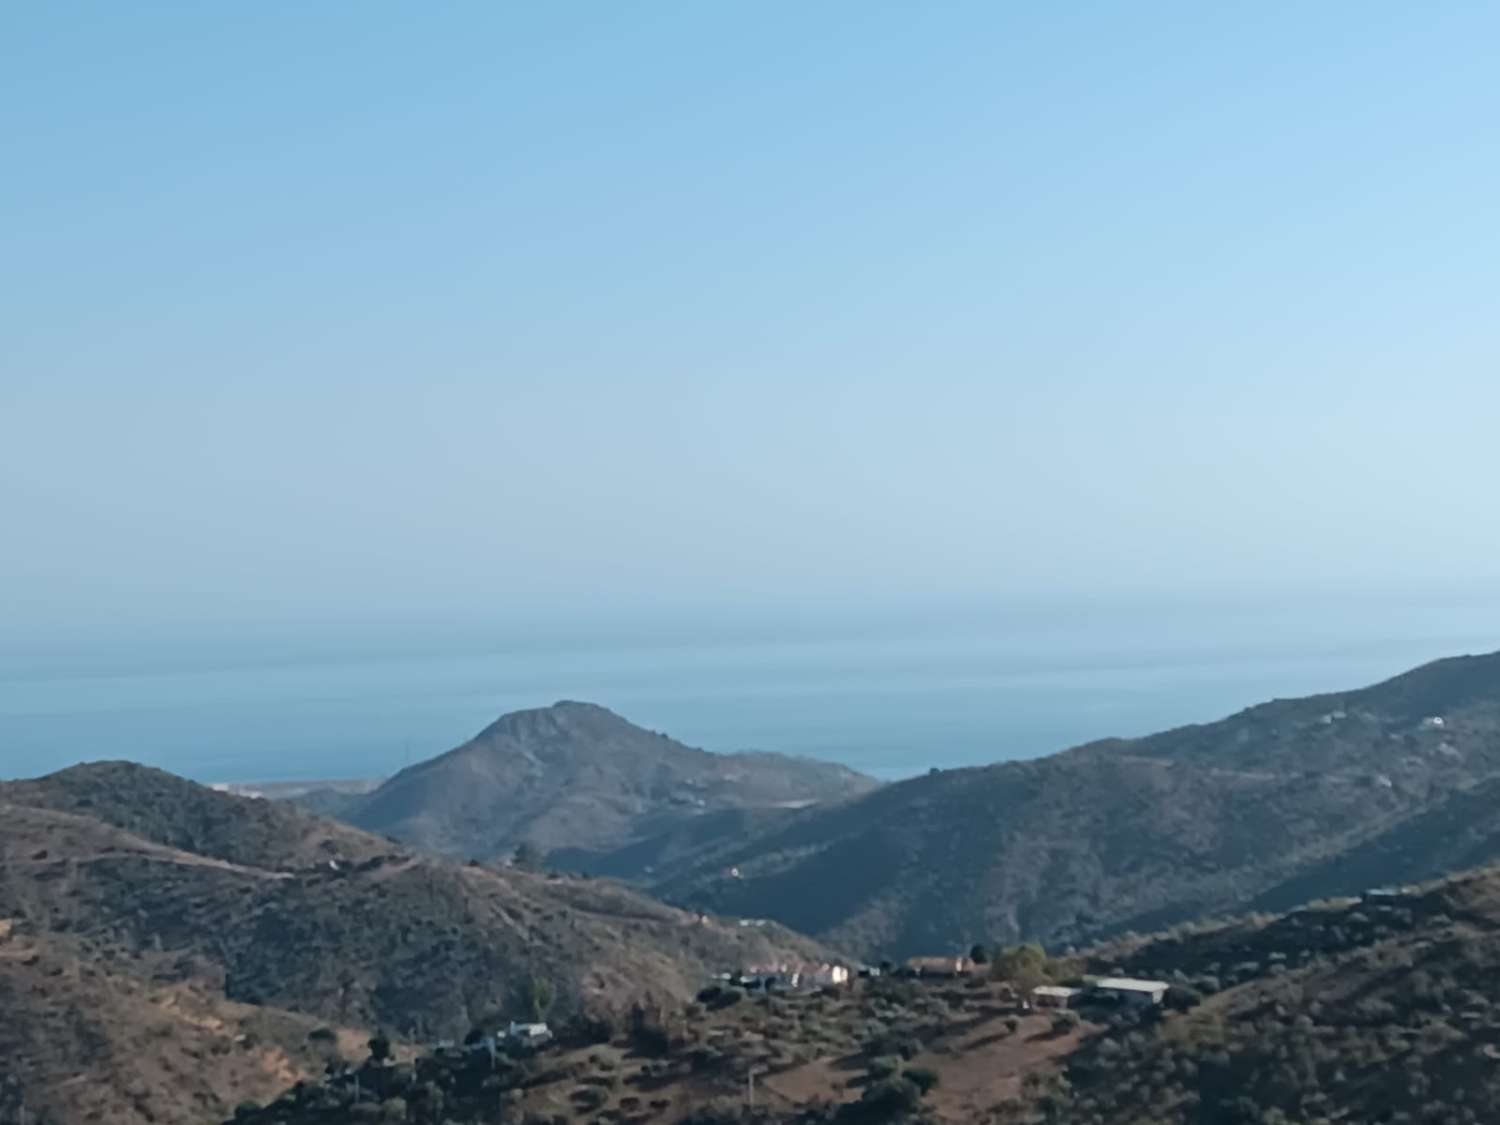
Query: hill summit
{"x": 578, "y": 776}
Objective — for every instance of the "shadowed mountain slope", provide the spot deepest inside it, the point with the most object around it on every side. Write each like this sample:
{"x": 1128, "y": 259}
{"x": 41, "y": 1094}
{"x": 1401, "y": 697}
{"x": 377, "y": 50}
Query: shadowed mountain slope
{"x": 1292, "y": 799}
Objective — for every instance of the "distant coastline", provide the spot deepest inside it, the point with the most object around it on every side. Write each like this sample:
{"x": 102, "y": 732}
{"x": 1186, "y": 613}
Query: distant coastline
{"x": 889, "y": 705}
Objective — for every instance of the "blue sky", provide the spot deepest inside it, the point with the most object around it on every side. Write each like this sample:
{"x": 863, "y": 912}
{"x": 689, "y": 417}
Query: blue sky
{"x": 350, "y": 312}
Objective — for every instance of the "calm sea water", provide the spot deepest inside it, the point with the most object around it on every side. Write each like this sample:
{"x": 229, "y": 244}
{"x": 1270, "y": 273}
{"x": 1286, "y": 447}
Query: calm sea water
{"x": 890, "y": 704}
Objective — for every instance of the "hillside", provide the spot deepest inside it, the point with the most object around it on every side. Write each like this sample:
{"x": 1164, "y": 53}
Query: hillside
{"x": 331, "y": 798}
{"x": 1381, "y": 1009}
{"x": 813, "y": 1058}
{"x": 579, "y": 780}
{"x": 291, "y": 921}
{"x": 1290, "y": 800}
{"x": 90, "y": 1036}
{"x": 165, "y": 809}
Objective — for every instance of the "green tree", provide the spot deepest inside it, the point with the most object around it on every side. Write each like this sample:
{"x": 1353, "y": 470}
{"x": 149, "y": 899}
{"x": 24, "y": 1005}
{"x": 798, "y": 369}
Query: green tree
{"x": 542, "y": 995}
{"x": 380, "y": 1047}
{"x": 882, "y": 1066}
{"x": 527, "y": 857}
{"x": 895, "y": 1099}
{"x": 1024, "y": 966}
{"x": 980, "y": 954}
{"x": 325, "y": 1041}
{"x": 1064, "y": 1022}
{"x": 923, "y": 1079}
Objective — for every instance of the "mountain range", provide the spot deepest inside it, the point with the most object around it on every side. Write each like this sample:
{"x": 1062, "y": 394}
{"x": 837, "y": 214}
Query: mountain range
{"x": 167, "y": 949}
{"x": 1283, "y": 802}
{"x": 1286, "y": 801}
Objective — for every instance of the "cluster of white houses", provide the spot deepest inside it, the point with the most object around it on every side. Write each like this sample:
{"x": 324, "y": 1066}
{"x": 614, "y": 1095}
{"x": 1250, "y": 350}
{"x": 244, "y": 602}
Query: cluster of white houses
{"x": 1125, "y": 991}
{"x": 789, "y": 976}
{"x": 809, "y": 977}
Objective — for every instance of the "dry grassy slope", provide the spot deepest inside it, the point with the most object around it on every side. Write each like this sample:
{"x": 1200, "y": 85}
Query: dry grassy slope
{"x": 422, "y": 945}
{"x": 126, "y": 1041}
{"x": 805, "y": 1050}
{"x": 1386, "y": 1009}
{"x": 578, "y": 776}
{"x": 162, "y": 807}
{"x": 1129, "y": 834}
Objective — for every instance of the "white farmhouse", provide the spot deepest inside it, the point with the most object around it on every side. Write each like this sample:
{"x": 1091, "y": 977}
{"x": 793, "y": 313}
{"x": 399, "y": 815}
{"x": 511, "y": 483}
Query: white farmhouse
{"x": 1130, "y": 991}
{"x": 1054, "y": 996}
{"x": 528, "y": 1034}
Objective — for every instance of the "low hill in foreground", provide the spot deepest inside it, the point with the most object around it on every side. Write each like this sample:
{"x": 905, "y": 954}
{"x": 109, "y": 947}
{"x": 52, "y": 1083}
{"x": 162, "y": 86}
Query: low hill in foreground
{"x": 1382, "y": 1009}
{"x": 1283, "y": 802}
{"x": 164, "y": 948}
{"x": 578, "y": 778}
{"x": 91, "y": 1036}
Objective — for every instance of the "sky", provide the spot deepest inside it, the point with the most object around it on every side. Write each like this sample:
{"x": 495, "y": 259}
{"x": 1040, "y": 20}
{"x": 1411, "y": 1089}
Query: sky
{"x": 347, "y": 313}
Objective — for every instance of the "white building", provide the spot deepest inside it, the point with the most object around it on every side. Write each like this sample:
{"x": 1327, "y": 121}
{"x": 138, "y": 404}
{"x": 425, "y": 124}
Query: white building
{"x": 794, "y": 977}
{"x": 825, "y": 976}
{"x": 528, "y": 1034}
{"x": 1054, "y": 995}
{"x": 1130, "y": 991}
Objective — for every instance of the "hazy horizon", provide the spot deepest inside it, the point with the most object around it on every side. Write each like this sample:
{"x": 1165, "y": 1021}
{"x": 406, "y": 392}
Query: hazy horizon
{"x": 890, "y": 697}
{"x": 358, "y": 331}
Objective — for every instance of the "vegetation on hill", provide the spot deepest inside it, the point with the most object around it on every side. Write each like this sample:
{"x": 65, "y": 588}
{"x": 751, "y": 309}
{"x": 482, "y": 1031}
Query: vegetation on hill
{"x": 166, "y": 809}
{"x": 883, "y": 1051}
{"x": 303, "y": 917}
{"x": 92, "y": 1034}
{"x": 578, "y": 777}
{"x": 1381, "y": 1009}
{"x": 170, "y": 951}
{"x": 1287, "y": 801}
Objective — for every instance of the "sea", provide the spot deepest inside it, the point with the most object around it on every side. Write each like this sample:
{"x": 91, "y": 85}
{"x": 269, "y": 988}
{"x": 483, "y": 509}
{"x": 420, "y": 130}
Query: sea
{"x": 891, "y": 700}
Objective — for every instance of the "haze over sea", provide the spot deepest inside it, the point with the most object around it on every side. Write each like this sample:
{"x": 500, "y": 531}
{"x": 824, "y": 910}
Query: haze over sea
{"x": 734, "y": 348}
{"x": 890, "y": 697}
